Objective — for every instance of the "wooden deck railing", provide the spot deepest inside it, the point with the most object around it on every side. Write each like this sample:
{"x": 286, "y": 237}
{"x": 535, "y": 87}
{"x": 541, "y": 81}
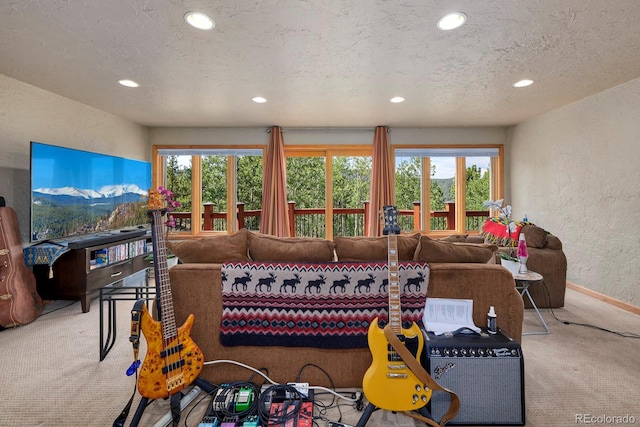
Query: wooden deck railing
{"x": 310, "y": 222}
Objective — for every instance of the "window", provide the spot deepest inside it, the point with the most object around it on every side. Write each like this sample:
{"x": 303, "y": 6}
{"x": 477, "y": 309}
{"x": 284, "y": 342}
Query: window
{"x": 433, "y": 183}
{"x": 339, "y": 174}
{"x": 438, "y": 190}
{"x": 207, "y": 181}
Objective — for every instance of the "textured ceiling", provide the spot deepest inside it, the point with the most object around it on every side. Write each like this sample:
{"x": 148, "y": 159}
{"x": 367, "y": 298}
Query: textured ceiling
{"x": 324, "y": 63}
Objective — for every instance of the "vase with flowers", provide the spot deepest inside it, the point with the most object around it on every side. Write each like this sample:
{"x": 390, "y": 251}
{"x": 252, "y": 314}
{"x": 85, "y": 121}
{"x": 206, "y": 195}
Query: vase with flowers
{"x": 172, "y": 204}
{"x": 170, "y": 223}
{"x": 507, "y": 258}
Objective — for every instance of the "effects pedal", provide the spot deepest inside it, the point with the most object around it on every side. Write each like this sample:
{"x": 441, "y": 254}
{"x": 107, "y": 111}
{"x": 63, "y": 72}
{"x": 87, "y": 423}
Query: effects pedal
{"x": 243, "y": 399}
{"x": 251, "y": 421}
{"x": 209, "y": 422}
{"x": 336, "y": 424}
{"x": 303, "y": 389}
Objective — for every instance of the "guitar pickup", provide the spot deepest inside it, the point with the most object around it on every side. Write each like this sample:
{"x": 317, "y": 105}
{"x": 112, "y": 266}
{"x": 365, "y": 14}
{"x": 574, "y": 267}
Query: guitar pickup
{"x": 172, "y": 366}
{"x": 170, "y": 351}
{"x": 396, "y": 375}
{"x": 397, "y": 366}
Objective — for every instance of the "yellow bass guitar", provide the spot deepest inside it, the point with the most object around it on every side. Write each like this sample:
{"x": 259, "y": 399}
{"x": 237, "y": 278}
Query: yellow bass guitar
{"x": 173, "y": 361}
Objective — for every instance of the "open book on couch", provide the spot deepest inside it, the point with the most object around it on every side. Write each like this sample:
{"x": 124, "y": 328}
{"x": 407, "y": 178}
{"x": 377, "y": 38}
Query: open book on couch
{"x": 445, "y": 315}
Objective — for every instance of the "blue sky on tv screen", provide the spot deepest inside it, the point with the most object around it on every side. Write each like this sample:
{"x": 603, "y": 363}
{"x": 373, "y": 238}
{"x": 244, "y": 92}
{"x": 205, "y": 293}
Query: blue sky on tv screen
{"x": 56, "y": 167}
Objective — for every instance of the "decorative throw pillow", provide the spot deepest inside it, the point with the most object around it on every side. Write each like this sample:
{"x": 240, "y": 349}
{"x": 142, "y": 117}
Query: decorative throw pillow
{"x": 264, "y": 247}
{"x": 535, "y": 236}
{"x": 431, "y": 250}
{"x": 459, "y": 238}
{"x": 374, "y": 248}
{"x": 212, "y": 249}
{"x": 494, "y": 230}
{"x": 553, "y": 242}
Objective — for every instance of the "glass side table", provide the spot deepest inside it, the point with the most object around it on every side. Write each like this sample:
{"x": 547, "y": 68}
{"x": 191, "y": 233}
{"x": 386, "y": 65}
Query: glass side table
{"x": 523, "y": 281}
{"x": 131, "y": 288}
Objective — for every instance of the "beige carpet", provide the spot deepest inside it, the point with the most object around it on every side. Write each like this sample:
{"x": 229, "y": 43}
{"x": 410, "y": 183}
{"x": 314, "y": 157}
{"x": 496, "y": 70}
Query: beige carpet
{"x": 51, "y": 374}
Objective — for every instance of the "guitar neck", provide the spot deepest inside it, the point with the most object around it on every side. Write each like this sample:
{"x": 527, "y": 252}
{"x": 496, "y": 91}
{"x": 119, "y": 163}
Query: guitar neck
{"x": 395, "y": 310}
{"x": 163, "y": 286}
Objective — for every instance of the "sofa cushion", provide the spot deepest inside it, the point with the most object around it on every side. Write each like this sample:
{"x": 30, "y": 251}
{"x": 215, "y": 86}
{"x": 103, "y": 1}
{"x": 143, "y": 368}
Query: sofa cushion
{"x": 374, "y": 248}
{"x": 431, "y": 251}
{"x": 459, "y": 238}
{"x": 264, "y": 247}
{"x": 212, "y": 249}
{"x": 536, "y": 237}
{"x": 553, "y": 242}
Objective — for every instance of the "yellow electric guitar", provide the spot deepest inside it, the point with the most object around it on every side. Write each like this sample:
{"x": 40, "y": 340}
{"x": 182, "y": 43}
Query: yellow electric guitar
{"x": 388, "y": 383}
{"x": 173, "y": 361}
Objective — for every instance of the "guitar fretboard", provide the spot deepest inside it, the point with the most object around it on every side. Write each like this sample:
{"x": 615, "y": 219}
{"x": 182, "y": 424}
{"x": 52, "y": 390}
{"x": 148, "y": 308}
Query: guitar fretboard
{"x": 395, "y": 311}
{"x": 163, "y": 286}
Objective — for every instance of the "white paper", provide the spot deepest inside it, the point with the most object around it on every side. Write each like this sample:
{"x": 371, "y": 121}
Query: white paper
{"x": 442, "y": 315}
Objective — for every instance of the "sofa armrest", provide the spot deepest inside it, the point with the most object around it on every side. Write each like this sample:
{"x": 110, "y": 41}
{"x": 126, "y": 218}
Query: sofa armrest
{"x": 197, "y": 289}
{"x": 487, "y": 285}
{"x": 552, "y": 264}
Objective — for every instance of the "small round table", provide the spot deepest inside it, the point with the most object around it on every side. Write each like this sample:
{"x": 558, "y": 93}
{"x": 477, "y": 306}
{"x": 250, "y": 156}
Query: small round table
{"x": 523, "y": 281}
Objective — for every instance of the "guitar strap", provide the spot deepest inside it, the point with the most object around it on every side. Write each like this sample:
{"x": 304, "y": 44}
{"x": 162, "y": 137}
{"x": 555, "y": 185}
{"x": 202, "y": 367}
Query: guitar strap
{"x": 136, "y": 313}
{"x": 423, "y": 375}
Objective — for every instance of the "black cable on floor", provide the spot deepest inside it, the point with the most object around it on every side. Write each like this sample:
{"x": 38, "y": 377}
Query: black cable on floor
{"x": 586, "y": 325}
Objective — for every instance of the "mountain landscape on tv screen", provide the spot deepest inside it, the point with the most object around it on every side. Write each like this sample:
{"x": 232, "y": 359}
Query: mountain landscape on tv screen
{"x": 69, "y": 211}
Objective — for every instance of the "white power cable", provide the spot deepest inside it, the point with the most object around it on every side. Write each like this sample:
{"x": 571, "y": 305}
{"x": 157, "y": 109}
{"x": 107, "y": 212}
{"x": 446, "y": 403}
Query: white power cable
{"x": 233, "y": 362}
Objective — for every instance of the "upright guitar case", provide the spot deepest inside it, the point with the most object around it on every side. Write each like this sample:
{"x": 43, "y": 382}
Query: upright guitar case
{"x": 19, "y": 300}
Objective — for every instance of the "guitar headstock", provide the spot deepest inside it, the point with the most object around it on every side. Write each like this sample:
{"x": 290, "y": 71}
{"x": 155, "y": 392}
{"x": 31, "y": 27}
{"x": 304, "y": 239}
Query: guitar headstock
{"x": 156, "y": 201}
{"x": 390, "y": 220}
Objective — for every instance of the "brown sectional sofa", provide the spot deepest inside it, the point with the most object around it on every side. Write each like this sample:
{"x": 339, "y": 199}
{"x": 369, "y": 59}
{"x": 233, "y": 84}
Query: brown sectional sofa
{"x": 545, "y": 257}
{"x": 197, "y": 288}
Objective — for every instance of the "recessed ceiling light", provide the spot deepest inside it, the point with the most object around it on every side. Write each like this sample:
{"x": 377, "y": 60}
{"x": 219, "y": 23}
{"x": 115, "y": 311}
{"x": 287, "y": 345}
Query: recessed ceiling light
{"x": 128, "y": 83}
{"x": 523, "y": 83}
{"x": 259, "y": 99}
{"x": 451, "y": 21}
{"x": 397, "y": 99}
{"x": 199, "y": 20}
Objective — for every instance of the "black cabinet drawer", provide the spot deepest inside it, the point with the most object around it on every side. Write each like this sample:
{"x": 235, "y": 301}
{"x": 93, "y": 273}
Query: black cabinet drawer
{"x": 102, "y": 276}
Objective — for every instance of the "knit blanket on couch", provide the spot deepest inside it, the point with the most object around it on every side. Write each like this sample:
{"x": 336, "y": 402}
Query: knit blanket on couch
{"x": 321, "y": 305}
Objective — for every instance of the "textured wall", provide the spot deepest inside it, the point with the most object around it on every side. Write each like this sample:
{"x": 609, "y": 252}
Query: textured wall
{"x": 397, "y": 136}
{"x": 31, "y": 114}
{"x": 575, "y": 171}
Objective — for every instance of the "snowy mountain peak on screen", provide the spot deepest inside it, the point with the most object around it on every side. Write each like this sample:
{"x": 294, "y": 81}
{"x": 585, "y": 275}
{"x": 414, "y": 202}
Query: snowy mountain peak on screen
{"x": 105, "y": 192}
{"x": 120, "y": 189}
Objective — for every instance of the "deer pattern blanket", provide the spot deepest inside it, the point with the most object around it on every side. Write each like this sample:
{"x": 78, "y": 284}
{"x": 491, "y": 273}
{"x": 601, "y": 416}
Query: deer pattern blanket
{"x": 321, "y": 305}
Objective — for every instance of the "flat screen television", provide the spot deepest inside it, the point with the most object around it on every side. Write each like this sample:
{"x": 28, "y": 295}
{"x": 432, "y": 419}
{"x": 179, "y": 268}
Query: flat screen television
{"x": 77, "y": 193}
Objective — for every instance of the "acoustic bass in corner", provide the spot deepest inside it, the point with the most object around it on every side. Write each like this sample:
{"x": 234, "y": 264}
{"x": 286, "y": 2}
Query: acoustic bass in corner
{"x": 389, "y": 384}
{"x": 19, "y": 300}
{"x": 173, "y": 361}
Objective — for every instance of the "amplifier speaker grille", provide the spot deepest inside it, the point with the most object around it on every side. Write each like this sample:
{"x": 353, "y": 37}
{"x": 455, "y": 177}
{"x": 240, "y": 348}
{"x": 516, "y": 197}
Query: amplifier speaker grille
{"x": 490, "y": 388}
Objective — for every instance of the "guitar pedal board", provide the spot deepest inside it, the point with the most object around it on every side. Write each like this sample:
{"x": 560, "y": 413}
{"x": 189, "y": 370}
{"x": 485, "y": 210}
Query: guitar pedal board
{"x": 236, "y": 405}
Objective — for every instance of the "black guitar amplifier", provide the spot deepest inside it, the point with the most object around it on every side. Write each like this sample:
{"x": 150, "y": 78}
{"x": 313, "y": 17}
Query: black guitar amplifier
{"x": 487, "y": 374}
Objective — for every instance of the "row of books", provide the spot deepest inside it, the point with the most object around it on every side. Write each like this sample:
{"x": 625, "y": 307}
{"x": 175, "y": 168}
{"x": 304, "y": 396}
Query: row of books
{"x": 117, "y": 253}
